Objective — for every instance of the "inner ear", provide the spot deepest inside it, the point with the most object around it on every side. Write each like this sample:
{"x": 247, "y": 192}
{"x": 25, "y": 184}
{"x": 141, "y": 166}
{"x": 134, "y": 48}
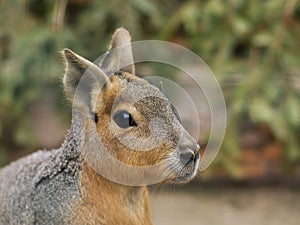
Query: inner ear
{"x": 119, "y": 56}
{"x": 81, "y": 80}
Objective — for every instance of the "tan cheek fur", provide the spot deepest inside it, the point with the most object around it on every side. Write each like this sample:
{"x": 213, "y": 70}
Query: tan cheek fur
{"x": 111, "y": 142}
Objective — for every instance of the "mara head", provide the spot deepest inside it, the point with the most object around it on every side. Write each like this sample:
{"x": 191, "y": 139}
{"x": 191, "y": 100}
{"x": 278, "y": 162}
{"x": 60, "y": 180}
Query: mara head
{"x": 126, "y": 119}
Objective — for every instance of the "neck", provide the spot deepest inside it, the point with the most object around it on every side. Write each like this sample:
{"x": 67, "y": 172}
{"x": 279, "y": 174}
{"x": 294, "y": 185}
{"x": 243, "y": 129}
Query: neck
{"x": 116, "y": 203}
{"x": 93, "y": 180}
{"x": 73, "y": 140}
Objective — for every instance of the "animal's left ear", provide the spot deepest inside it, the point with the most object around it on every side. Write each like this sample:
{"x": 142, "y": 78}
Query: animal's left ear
{"x": 119, "y": 56}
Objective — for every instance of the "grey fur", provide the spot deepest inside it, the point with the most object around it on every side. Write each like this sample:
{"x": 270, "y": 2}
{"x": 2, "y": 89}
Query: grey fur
{"x": 40, "y": 188}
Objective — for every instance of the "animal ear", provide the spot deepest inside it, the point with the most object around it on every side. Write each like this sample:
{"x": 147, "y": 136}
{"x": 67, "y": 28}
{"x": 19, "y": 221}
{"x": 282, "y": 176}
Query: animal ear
{"x": 81, "y": 77}
{"x": 119, "y": 56}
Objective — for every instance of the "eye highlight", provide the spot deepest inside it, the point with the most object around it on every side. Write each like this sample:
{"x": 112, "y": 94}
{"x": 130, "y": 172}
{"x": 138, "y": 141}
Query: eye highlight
{"x": 124, "y": 119}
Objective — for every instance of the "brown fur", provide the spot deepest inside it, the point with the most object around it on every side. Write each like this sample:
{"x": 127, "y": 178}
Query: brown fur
{"x": 118, "y": 204}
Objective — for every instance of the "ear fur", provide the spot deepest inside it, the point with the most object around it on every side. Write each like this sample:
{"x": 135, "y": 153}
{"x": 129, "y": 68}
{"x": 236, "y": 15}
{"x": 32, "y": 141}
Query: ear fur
{"x": 119, "y": 55}
{"x": 82, "y": 81}
{"x": 78, "y": 67}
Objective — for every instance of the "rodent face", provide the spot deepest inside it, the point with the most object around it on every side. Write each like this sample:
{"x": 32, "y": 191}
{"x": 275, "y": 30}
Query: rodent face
{"x": 137, "y": 124}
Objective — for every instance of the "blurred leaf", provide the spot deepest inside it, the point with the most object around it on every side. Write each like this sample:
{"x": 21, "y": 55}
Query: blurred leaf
{"x": 263, "y": 39}
{"x": 292, "y": 109}
{"x": 260, "y": 111}
{"x": 241, "y": 26}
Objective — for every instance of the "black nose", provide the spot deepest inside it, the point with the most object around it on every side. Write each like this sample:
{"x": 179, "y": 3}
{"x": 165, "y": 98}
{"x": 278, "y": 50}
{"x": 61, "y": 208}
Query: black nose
{"x": 187, "y": 157}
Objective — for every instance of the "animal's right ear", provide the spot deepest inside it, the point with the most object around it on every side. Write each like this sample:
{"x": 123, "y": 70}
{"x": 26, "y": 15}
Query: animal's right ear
{"x": 119, "y": 56}
{"x": 76, "y": 68}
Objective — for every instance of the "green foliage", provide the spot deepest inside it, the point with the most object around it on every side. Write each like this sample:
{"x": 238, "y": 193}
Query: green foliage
{"x": 29, "y": 62}
{"x": 252, "y": 47}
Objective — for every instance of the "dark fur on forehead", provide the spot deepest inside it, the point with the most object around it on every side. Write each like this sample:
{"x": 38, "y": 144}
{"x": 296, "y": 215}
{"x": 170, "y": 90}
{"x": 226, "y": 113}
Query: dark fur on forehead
{"x": 139, "y": 91}
{"x": 125, "y": 76}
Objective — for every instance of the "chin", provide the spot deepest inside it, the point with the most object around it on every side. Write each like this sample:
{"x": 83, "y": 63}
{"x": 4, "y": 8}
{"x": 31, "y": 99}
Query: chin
{"x": 182, "y": 180}
{"x": 186, "y": 173}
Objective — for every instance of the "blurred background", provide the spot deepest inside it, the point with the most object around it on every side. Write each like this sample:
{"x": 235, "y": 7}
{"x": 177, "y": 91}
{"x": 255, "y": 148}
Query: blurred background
{"x": 252, "y": 47}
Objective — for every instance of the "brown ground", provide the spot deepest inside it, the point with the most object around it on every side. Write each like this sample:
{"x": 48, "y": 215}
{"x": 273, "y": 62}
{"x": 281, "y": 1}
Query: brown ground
{"x": 227, "y": 206}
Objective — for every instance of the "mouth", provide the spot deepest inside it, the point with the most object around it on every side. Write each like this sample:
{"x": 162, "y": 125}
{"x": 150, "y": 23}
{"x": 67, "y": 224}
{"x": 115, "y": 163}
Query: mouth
{"x": 187, "y": 173}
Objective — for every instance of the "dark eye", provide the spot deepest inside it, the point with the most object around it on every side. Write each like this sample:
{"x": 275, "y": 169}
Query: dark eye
{"x": 124, "y": 119}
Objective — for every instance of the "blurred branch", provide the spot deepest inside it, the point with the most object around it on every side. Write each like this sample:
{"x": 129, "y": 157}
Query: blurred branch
{"x": 285, "y": 23}
{"x": 59, "y": 14}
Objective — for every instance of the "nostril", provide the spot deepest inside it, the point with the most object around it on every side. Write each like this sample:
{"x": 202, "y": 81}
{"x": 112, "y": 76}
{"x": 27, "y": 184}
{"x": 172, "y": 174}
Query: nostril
{"x": 187, "y": 157}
